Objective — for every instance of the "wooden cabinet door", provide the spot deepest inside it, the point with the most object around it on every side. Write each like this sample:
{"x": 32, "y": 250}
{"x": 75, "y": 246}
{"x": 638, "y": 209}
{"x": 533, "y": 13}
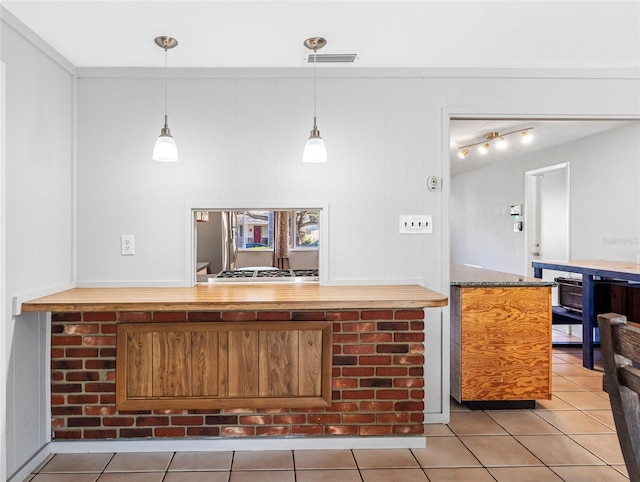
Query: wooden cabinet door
{"x": 506, "y": 343}
{"x": 223, "y": 365}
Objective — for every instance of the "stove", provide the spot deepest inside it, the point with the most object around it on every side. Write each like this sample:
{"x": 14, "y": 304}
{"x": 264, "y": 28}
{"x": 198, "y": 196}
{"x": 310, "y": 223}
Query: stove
{"x": 276, "y": 273}
{"x": 265, "y": 274}
{"x": 235, "y": 274}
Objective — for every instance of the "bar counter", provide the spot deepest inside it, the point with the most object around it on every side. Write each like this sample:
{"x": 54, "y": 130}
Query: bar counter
{"x": 238, "y": 360}
{"x": 231, "y": 297}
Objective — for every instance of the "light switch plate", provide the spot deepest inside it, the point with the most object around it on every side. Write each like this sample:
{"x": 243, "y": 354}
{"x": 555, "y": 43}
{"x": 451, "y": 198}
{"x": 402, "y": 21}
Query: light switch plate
{"x": 416, "y": 224}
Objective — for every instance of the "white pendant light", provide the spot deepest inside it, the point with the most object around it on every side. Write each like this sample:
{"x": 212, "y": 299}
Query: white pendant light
{"x": 165, "y": 149}
{"x": 314, "y": 149}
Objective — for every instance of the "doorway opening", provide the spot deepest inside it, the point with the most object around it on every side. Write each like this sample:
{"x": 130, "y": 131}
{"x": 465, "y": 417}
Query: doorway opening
{"x": 546, "y": 193}
{"x": 486, "y": 183}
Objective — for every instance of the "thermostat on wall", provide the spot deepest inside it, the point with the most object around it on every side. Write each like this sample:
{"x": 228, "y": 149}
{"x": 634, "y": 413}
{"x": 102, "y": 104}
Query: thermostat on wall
{"x": 516, "y": 210}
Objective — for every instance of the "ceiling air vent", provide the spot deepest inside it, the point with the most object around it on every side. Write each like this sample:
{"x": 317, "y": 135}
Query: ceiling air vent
{"x": 327, "y": 58}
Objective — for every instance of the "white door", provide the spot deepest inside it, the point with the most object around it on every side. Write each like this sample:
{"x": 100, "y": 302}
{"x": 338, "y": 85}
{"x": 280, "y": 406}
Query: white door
{"x": 547, "y": 234}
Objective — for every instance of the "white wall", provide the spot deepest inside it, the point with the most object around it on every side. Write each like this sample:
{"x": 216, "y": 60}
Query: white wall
{"x": 604, "y": 202}
{"x": 240, "y": 140}
{"x": 3, "y": 263}
{"x": 240, "y": 135}
{"x": 38, "y": 226}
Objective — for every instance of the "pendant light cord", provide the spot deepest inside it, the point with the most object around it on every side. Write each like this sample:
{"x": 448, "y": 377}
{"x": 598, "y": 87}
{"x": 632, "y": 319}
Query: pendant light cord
{"x": 165, "y": 87}
{"x": 315, "y": 60}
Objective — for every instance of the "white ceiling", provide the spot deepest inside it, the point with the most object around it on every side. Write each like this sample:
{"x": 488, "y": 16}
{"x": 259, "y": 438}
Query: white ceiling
{"x": 384, "y": 34}
{"x": 417, "y": 33}
{"x": 545, "y": 134}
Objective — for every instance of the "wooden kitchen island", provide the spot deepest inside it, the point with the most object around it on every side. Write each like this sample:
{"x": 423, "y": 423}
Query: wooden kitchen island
{"x": 237, "y": 360}
{"x": 500, "y": 338}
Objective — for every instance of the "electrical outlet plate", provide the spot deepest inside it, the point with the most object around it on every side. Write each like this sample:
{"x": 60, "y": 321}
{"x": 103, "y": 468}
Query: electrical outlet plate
{"x": 127, "y": 246}
{"x": 416, "y": 224}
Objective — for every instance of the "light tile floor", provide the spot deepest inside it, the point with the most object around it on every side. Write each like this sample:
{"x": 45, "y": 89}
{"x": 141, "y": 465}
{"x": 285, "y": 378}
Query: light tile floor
{"x": 570, "y": 438}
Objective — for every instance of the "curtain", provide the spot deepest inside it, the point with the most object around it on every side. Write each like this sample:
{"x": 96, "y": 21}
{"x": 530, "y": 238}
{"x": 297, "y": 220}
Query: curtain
{"x": 281, "y": 240}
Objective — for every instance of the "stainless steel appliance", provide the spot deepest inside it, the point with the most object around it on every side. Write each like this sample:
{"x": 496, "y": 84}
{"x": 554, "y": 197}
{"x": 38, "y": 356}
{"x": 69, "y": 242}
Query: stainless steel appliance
{"x": 570, "y": 295}
{"x": 266, "y": 274}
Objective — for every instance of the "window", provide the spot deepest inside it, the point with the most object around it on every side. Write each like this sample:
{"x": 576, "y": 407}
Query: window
{"x": 255, "y": 230}
{"x": 306, "y": 230}
{"x": 240, "y": 238}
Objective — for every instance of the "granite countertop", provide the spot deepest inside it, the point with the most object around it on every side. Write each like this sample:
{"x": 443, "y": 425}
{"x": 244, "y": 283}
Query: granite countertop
{"x": 462, "y": 275}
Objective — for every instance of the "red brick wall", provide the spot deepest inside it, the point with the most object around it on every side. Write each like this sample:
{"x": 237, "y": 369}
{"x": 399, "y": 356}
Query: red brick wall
{"x": 378, "y": 386}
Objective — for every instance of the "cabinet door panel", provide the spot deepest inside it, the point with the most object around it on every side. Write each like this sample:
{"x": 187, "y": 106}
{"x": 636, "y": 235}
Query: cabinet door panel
{"x": 139, "y": 352}
{"x": 505, "y": 336}
{"x": 171, "y": 364}
{"x": 243, "y": 366}
{"x": 204, "y": 363}
{"x": 279, "y": 363}
{"x": 310, "y": 363}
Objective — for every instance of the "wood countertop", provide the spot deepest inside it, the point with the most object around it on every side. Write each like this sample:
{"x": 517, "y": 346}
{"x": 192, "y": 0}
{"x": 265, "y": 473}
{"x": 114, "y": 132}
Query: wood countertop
{"x": 234, "y": 297}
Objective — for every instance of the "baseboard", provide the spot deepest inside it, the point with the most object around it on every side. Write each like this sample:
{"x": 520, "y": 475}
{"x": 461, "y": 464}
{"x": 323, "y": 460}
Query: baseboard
{"x": 436, "y": 418}
{"x": 31, "y": 464}
{"x": 226, "y": 444}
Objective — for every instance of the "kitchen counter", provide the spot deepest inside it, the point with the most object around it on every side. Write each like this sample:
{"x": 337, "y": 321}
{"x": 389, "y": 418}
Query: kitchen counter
{"x": 229, "y": 297}
{"x": 462, "y": 275}
{"x": 500, "y": 338}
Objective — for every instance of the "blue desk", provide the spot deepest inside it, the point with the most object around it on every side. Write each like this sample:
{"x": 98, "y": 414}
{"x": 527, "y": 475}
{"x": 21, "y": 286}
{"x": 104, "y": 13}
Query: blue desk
{"x": 590, "y": 270}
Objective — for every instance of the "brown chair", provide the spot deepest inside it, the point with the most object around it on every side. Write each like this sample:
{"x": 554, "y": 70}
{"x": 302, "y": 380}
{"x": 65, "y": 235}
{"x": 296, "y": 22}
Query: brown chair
{"x": 620, "y": 344}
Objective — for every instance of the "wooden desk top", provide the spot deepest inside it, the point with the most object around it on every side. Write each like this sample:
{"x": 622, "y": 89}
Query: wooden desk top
{"x": 611, "y": 269}
{"x": 235, "y": 297}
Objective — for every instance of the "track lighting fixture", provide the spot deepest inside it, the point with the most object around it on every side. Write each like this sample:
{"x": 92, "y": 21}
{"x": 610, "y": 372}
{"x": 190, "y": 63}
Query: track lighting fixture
{"x": 494, "y": 137}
